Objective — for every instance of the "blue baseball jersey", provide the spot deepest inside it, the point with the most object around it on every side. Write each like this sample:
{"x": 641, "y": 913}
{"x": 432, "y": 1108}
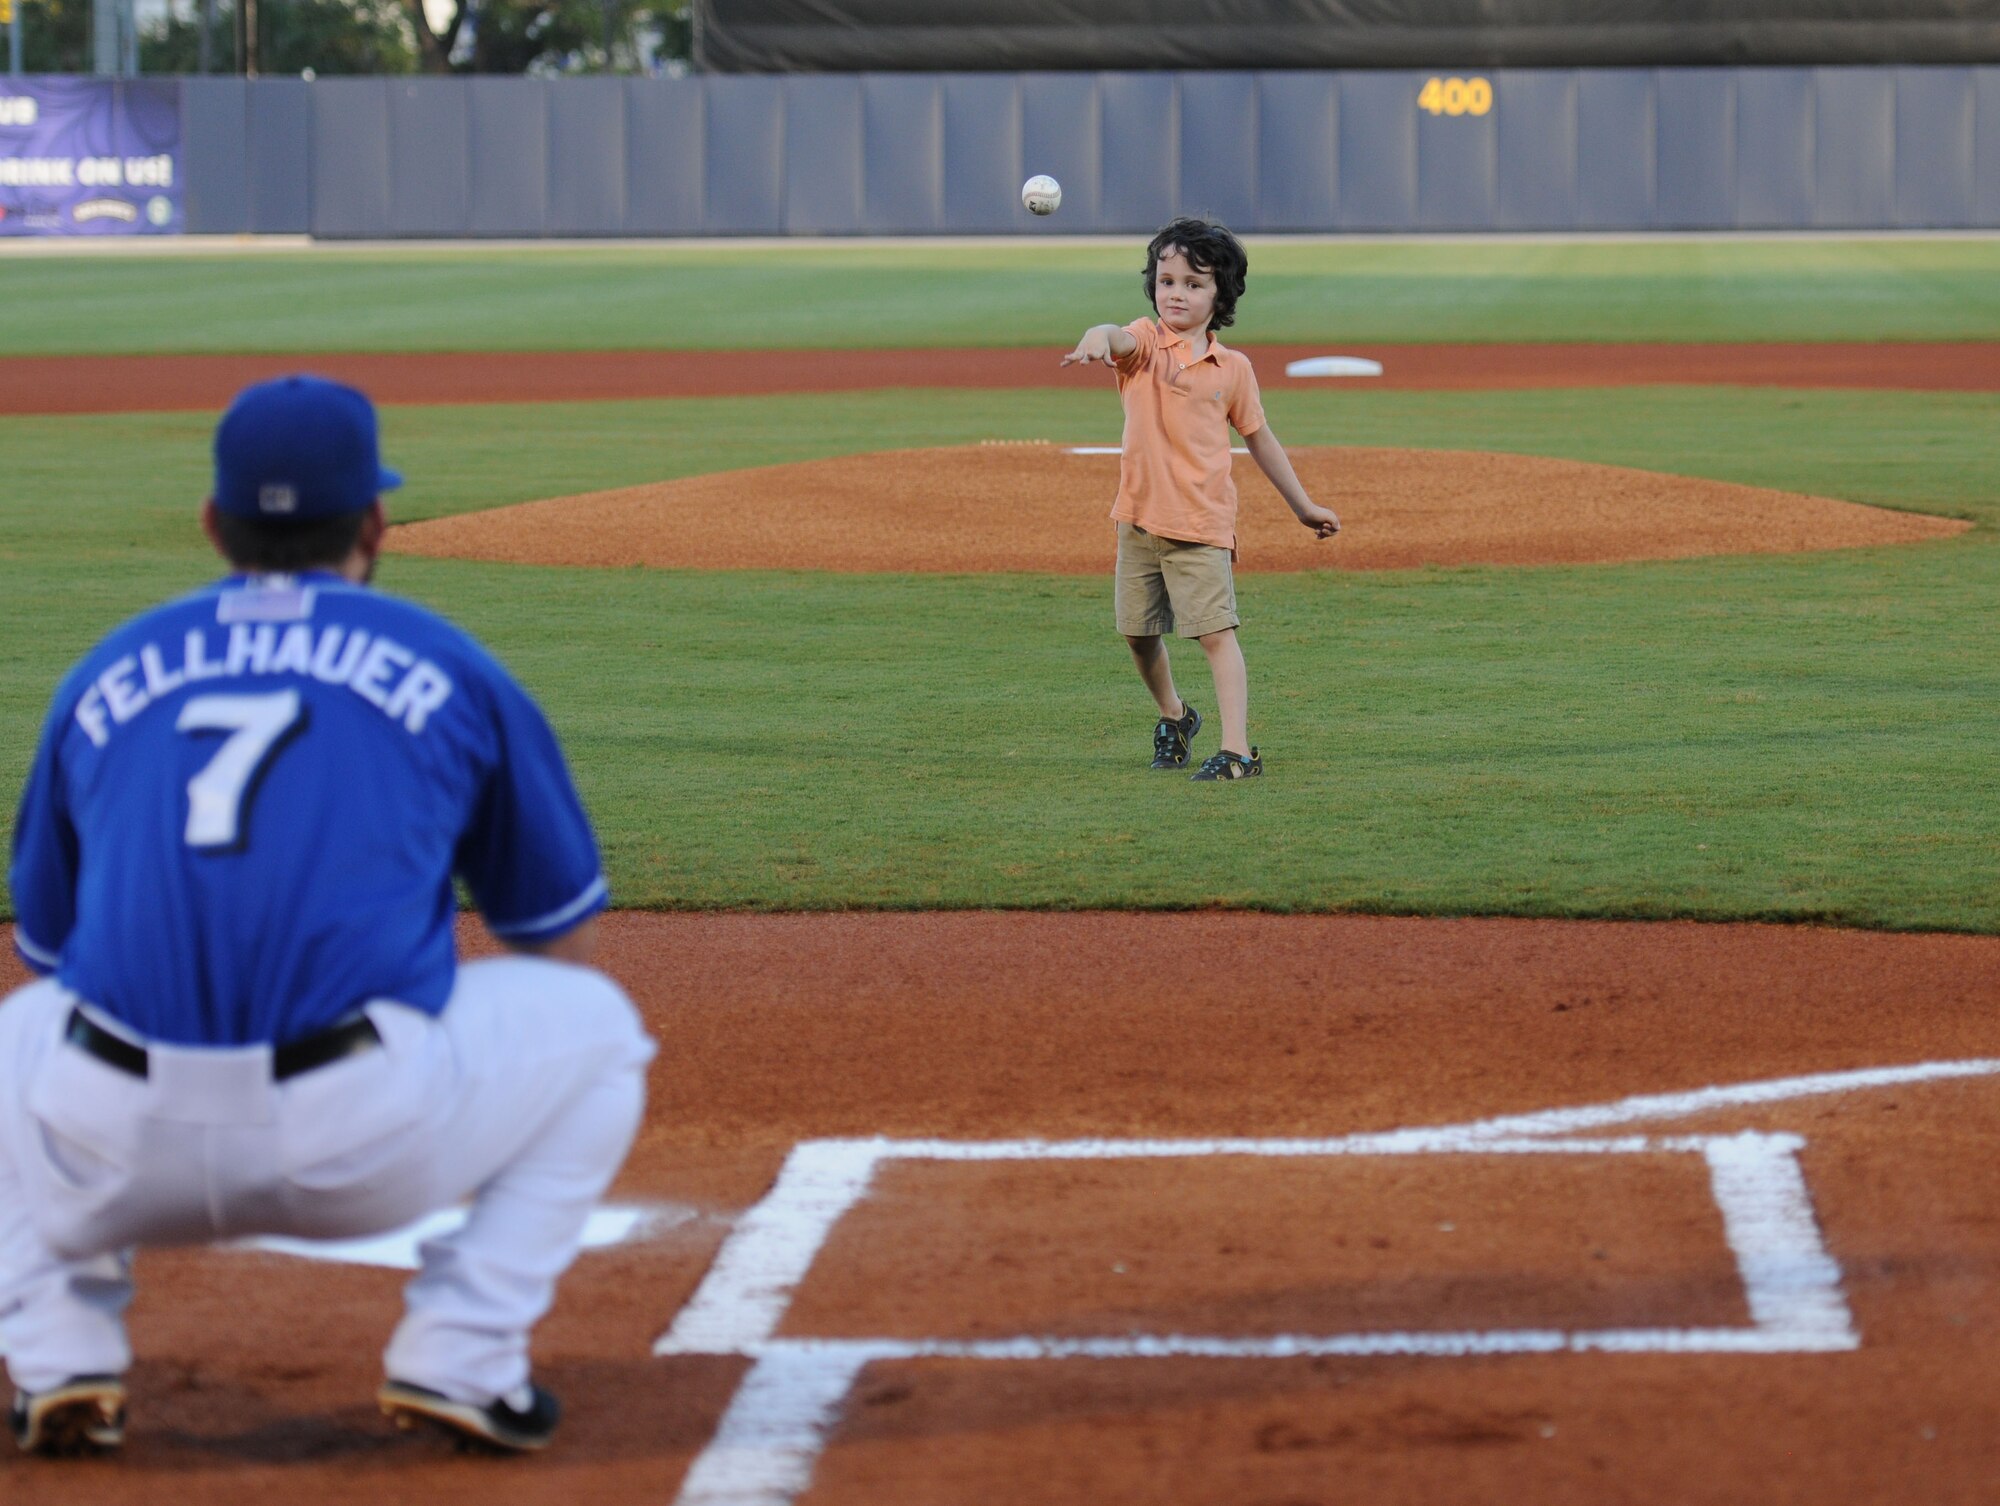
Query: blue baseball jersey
{"x": 248, "y": 806}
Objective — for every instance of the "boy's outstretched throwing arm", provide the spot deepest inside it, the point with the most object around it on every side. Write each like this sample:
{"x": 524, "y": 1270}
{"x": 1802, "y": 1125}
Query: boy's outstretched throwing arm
{"x": 1109, "y": 343}
{"x": 1275, "y": 463}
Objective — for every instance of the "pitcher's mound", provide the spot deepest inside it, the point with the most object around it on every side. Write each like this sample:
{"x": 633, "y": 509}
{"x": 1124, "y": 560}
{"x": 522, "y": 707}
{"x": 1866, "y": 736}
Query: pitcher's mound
{"x": 1043, "y": 507}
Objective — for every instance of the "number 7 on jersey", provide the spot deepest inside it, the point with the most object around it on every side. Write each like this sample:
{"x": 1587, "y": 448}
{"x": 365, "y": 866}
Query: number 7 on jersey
{"x": 258, "y": 726}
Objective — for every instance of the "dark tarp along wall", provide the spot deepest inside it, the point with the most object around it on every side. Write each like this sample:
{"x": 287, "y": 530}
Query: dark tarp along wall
{"x": 840, "y": 36}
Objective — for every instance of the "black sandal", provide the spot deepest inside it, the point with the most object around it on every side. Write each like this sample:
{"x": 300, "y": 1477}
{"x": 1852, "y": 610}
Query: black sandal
{"x": 1226, "y": 765}
{"x": 1172, "y": 738}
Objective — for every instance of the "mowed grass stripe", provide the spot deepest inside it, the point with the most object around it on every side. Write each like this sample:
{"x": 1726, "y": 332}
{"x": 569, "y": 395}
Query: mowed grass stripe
{"x": 703, "y": 296}
{"x": 1743, "y": 740}
{"x": 1801, "y": 737}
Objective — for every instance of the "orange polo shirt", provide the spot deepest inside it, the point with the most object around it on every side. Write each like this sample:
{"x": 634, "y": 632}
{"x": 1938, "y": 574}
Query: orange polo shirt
{"x": 1173, "y": 472}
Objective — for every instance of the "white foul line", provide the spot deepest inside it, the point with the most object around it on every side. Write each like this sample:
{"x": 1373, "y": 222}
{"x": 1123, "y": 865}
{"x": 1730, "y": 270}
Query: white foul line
{"x": 1706, "y": 1100}
{"x": 766, "y": 1445}
{"x": 767, "y": 1254}
{"x": 765, "y": 1449}
{"x": 1439, "y": 1345}
{"x": 1790, "y": 1281}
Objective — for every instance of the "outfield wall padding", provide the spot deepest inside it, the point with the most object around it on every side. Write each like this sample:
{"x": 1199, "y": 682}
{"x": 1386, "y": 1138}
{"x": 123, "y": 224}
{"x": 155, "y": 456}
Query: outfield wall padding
{"x": 1835, "y": 148}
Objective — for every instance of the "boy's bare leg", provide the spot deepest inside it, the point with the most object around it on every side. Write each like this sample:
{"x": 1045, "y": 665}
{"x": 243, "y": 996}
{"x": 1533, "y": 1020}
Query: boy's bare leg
{"x": 1232, "y": 688}
{"x": 1150, "y": 654}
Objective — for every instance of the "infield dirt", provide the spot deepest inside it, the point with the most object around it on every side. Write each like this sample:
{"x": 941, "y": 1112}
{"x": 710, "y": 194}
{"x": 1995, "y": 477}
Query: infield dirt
{"x": 1042, "y": 507}
{"x": 256, "y": 1370}
{"x": 134, "y": 384}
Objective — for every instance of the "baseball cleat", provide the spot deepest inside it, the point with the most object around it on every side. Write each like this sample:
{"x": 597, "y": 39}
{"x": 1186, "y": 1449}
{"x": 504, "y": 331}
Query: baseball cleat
{"x": 84, "y": 1415}
{"x": 1172, "y": 736}
{"x": 1227, "y": 765}
{"x": 500, "y": 1426}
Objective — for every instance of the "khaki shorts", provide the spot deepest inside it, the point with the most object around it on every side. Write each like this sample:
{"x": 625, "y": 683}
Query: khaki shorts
{"x": 1166, "y": 585}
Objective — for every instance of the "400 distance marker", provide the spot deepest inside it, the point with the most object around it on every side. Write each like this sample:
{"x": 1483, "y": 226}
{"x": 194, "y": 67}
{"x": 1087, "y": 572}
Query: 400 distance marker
{"x": 1456, "y": 96}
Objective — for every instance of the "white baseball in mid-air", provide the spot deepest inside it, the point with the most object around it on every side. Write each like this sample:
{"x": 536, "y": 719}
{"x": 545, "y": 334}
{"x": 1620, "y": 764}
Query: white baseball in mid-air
{"x": 1041, "y": 194}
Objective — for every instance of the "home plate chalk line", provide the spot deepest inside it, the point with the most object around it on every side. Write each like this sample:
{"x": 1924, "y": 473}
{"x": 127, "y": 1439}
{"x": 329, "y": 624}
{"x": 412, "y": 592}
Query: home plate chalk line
{"x": 400, "y": 1249}
{"x": 777, "y": 1424}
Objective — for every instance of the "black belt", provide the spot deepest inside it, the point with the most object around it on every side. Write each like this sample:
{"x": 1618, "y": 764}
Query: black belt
{"x": 335, "y": 1043}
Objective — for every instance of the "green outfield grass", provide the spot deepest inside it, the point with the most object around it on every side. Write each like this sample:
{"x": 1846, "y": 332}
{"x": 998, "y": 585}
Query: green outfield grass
{"x": 1806, "y": 737}
{"x": 1035, "y": 291}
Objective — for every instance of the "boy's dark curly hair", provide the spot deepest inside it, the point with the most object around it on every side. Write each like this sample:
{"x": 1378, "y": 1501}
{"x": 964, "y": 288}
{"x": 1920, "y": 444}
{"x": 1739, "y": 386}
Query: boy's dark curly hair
{"x": 1208, "y": 247}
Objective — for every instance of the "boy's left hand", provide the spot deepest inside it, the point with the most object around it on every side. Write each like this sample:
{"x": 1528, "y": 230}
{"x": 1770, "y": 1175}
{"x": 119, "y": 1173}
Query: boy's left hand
{"x": 1320, "y": 520}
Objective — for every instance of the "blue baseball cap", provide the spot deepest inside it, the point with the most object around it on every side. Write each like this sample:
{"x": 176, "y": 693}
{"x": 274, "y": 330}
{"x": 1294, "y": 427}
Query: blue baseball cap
{"x": 298, "y": 447}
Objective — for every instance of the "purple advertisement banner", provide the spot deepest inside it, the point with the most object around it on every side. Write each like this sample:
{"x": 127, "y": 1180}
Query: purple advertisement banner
{"x": 88, "y": 156}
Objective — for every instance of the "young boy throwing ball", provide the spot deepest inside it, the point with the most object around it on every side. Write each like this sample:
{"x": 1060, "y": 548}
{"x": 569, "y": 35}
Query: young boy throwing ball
{"x": 1176, "y": 507}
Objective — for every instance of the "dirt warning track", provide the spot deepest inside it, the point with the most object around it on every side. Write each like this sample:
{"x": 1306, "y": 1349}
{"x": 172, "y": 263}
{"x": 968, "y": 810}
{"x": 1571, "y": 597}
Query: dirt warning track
{"x": 132, "y": 384}
{"x": 1605, "y": 1124}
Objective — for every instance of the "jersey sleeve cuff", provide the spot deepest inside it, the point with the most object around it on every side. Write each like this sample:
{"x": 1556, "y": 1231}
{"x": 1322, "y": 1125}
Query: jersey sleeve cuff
{"x": 1143, "y": 340}
{"x": 40, "y": 958}
{"x": 555, "y": 922}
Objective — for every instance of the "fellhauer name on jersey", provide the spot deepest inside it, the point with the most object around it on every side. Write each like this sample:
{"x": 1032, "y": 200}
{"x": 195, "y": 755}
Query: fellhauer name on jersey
{"x": 396, "y": 681}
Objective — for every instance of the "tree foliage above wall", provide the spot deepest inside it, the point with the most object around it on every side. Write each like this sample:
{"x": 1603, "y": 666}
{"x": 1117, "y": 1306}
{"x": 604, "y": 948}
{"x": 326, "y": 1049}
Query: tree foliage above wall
{"x": 326, "y": 36}
{"x": 55, "y": 36}
{"x": 383, "y": 36}
{"x": 550, "y": 36}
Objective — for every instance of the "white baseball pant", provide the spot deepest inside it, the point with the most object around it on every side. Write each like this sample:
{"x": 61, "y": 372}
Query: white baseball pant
{"x": 523, "y": 1096}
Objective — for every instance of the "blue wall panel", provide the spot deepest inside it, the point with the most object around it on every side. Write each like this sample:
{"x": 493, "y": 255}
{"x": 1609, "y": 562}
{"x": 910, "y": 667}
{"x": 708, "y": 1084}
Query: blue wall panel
{"x": 1534, "y": 111}
{"x": 743, "y": 167}
{"x": 1774, "y": 147}
{"x": 587, "y": 137}
{"x": 1378, "y": 151}
{"x": 902, "y": 153}
{"x": 1611, "y": 149}
{"x": 1137, "y": 114}
{"x": 1457, "y": 166}
{"x": 279, "y": 120}
{"x": 1854, "y": 147}
{"x": 350, "y": 161}
{"x": 1298, "y": 150}
{"x": 430, "y": 129}
{"x": 509, "y": 172}
{"x": 1218, "y": 146}
{"x": 983, "y": 149}
{"x": 215, "y": 156}
{"x": 1933, "y": 146}
{"x": 666, "y": 156}
{"x": 1617, "y": 149}
{"x": 1695, "y": 173}
{"x": 1060, "y": 137}
{"x": 1986, "y": 146}
{"x": 823, "y": 154}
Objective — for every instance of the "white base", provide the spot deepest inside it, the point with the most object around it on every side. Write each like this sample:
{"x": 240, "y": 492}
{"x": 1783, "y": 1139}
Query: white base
{"x": 1334, "y": 366}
